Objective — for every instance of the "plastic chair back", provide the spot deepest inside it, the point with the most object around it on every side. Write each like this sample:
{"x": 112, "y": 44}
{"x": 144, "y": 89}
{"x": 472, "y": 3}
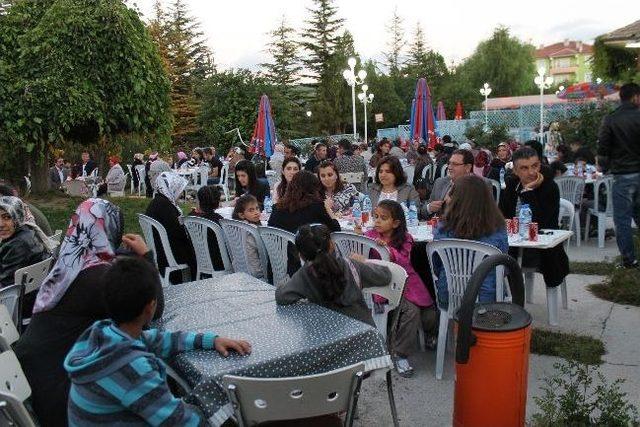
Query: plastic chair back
{"x": 443, "y": 170}
{"x": 142, "y": 174}
{"x": 258, "y": 400}
{"x": 351, "y": 243}
{"x": 607, "y": 183}
{"x": 11, "y": 297}
{"x": 31, "y": 277}
{"x": 460, "y": 258}
{"x": 224, "y": 180}
{"x": 55, "y": 239}
{"x": 393, "y": 291}
{"x": 197, "y": 228}
{"x": 427, "y": 172}
{"x": 12, "y": 379}
{"x": 149, "y": 224}
{"x": 571, "y": 188}
{"x": 276, "y": 241}
{"x": 496, "y": 189}
{"x": 566, "y": 214}
{"x": 236, "y": 233}
{"x": 8, "y": 331}
{"x": 14, "y": 412}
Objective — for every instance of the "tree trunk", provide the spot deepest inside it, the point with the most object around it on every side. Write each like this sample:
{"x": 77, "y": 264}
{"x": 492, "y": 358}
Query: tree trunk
{"x": 38, "y": 170}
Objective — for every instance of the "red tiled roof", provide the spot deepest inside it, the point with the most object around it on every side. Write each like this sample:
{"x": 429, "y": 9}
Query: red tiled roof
{"x": 631, "y": 31}
{"x": 559, "y": 49}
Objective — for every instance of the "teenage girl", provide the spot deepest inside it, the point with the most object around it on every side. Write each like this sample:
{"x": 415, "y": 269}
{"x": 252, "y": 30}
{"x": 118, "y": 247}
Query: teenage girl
{"x": 248, "y": 210}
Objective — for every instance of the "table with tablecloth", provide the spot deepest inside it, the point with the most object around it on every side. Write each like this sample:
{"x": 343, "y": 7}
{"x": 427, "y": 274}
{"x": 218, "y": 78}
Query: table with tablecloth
{"x": 299, "y": 339}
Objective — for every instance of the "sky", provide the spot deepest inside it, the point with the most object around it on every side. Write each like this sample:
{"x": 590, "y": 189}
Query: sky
{"x": 237, "y": 31}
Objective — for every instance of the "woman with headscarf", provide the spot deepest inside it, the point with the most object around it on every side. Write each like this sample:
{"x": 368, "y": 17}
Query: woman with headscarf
{"x": 147, "y": 178}
{"x": 69, "y": 300}
{"x": 115, "y": 179}
{"x": 138, "y": 159}
{"x": 164, "y": 208}
{"x": 22, "y": 242}
{"x": 503, "y": 156}
{"x": 481, "y": 164}
{"x": 182, "y": 159}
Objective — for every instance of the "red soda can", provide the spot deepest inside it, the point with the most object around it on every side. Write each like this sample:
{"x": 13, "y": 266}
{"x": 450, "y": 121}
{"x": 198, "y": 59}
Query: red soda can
{"x": 365, "y": 217}
{"x": 508, "y": 225}
{"x": 515, "y": 225}
{"x": 533, "y": 231}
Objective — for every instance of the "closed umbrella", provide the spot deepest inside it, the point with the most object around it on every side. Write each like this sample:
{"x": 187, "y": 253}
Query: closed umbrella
{"x": 459, "y": 111}
{"x": 441, "y": 114}
{"x": 422, "y": 125}
{"x": 263, "y": 139}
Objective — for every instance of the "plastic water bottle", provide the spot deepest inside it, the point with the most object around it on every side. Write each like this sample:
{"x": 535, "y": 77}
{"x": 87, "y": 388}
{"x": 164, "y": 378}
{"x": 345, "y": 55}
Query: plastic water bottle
{"x": 412, "y": 215}
{"x": 502, "y": 174}
{"x": 366, "y": 204}
{"x": 268, "y": 205}
{"x": 356, "y": 212}
{"x": 524, "y": 219}
{"x": 579, "y": 169}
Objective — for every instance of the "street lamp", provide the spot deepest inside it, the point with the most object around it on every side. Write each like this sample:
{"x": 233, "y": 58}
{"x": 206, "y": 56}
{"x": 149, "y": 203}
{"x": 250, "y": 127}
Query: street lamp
{"x": 308, "y": 113}
{"x": 353, "y": 80}
{"x": 365, "y": 99}
{"x": 560, "y": 89}
{"x": 543, "y": 83}
{"x": 485, "y": 90}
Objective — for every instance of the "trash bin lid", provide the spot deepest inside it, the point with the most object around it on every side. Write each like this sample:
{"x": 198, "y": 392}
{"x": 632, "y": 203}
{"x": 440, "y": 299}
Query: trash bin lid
{"x": 500, "y": 317}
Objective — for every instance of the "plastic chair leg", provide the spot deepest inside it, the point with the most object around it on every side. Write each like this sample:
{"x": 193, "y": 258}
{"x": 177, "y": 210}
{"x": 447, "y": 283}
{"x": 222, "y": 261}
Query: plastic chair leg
{"x": 587, "y": 225}
{"x": 528, "y": 286}
{"x": 552, "y": 305}
{"x": 563, "y": 291}
{"x": 392, "y": 400}
{"x": 601, "y": 230}
{"x": 442, "y": 343}
{"x": 576, "y": 223}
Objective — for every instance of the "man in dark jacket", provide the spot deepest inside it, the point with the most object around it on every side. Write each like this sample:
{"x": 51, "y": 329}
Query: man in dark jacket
{"x": 532, "y": 184}
{"x": 319, "y": 154}
{"x": 619, "y": 154}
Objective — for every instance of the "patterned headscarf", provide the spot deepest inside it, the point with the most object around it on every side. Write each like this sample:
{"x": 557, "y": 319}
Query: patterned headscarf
{"x": 182, "y": 155}
{"x": 21, "y": 215}
{"x": 94, "y": 233}
{"x": 171, "y": 185}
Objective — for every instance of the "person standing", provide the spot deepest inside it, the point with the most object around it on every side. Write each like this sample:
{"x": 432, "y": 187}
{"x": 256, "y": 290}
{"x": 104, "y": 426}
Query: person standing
{"x": 619, "y": 154}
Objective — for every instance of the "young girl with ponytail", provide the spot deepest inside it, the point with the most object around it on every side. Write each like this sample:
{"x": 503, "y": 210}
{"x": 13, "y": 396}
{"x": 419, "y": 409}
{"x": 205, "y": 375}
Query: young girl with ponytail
{"x": 330, "y": 281}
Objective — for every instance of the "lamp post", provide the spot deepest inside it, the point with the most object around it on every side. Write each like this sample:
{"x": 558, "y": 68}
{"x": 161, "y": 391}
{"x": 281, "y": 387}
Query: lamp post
{"x": 560, "y": 89}
{"x": 365, "y": 99}
{"x": 353, "y": 80}
{"x": 485, "y": 90}
{"x": 543, "y": 83}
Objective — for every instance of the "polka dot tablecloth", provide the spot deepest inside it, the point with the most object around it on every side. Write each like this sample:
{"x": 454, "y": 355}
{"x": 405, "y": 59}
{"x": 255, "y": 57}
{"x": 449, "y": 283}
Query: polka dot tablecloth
{"x": 299, "y": 339}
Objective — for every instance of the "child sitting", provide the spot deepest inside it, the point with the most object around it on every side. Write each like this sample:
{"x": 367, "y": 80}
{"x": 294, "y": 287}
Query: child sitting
{"x": 248, "y": 210}
{"x": 328, "y": 281}
{"x": 390, "y": 230}
{"x": 116, "y": 373}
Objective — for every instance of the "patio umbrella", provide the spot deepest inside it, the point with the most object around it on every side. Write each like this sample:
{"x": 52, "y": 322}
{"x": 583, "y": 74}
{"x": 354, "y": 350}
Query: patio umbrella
{"x": 459, "y": 111}
{"x": 588, "y": 90}
{"x": 441, "y": 115}
{"x": 422, "y": 126}
{"x": 263, "y": 139}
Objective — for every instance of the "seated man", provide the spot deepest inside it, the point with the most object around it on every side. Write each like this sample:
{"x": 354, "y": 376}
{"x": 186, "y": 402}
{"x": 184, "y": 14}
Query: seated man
{"x": 115, "y": 368}
{"x": 532, "y": 184}
{"x": 319, "y": 154}
{"x": 215, "y": 165}
{"x": 57, "y": 175}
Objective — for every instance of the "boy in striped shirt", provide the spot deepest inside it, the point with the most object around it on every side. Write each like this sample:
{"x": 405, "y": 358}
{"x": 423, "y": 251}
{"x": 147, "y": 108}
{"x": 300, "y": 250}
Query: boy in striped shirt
{"x": 117, "y": 376}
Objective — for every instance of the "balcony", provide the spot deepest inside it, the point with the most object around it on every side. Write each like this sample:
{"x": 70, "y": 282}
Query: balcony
{"x": 564, "y": 70}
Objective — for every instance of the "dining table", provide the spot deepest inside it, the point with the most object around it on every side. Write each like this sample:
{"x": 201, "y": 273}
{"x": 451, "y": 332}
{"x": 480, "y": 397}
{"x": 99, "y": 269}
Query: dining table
{"x": 293, "y": 340}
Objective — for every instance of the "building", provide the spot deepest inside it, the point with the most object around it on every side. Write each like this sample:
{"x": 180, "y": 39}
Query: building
{"x": 566, "y": 62}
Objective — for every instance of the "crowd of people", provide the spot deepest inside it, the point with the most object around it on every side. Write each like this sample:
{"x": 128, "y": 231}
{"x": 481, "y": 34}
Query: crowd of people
{"x": 87, "y": 353}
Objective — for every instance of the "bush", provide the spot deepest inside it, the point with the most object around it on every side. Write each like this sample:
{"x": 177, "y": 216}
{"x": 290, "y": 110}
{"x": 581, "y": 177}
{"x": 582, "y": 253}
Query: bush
{"x": 571, "y": 398}
{"x": 490, "y": 139}
{"x": 584, "y": 126}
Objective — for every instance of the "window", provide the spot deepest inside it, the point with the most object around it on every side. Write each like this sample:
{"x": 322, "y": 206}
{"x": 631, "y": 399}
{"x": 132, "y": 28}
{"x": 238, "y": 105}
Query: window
{"x": 563, "y": 62}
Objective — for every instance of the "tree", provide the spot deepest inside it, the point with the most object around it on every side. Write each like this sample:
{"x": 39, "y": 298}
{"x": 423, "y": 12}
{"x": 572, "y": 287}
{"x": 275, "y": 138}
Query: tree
{"x": 395, "y": 110}
{"x": 76, "y": 70}
{"x": 321, "y": 36}
{"x": 615, "y": 63}
{"x": 396, "y": 44}
{"x": 424, "y": 62}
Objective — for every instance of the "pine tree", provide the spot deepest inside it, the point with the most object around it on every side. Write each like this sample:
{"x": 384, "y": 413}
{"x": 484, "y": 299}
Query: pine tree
{"x": 284, "y": 70}
{"x": 425, "y": 62}
{"x": 418, "y": 49}
{"x": 321, "y": 36}
{"x": 394, "y": 57}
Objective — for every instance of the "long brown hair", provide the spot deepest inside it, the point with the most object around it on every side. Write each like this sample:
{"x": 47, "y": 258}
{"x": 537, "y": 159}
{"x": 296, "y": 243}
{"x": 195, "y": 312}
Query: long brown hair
{"x": 339, "y": 184}
{"x": 472, "y": 212}
{"x": 282, "y": 187}
{"x": 303, "y": 190}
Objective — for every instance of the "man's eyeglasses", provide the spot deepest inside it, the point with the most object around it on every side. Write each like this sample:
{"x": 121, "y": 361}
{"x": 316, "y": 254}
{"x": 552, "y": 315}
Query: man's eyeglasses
{"x": 451, "y": 164}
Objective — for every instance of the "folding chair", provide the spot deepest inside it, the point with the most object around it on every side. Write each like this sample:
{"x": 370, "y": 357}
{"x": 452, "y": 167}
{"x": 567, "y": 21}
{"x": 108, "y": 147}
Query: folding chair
{"x": 259, "y": 400}
{"x": 198, "y": 232}
{"x": 276, "y": 242}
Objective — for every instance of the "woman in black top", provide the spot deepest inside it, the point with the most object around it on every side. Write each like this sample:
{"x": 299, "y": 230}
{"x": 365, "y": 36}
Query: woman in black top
{"x": 69, "y": 300}
{"x": 208, "y": 198}
{"x": 248, "y": 182}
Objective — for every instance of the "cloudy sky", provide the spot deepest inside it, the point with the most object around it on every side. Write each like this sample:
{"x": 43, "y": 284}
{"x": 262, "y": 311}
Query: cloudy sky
{"x": 237, "y": 30}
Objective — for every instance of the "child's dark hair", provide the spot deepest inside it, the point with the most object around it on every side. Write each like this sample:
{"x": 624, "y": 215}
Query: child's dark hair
{"x": 241, "y": 204}
{"x": 397, "y": 213}
{"x": 131, "y": 284}
{"x": 208, "y": 198}
{"x": 313, "y": 242}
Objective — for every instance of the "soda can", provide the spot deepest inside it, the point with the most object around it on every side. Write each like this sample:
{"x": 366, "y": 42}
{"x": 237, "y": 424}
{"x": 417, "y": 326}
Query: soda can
{"x": 533, "y": 231}
{"x": 515, "y": 225}
{"x": 509, "y": 225}
{"x": 365, "y": 217}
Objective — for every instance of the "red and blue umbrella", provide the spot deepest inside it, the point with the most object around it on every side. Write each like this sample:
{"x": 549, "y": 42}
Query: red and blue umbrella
{"x": 588, "y": 90}
{"x": 459, "y": 111}
{"x": 441, "y": 114}
{"x": 423, "y": 120}
{"x": 264, "y": 139}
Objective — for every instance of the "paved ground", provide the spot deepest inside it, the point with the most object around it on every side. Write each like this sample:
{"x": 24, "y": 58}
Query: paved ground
{"x": 425, "y": 401}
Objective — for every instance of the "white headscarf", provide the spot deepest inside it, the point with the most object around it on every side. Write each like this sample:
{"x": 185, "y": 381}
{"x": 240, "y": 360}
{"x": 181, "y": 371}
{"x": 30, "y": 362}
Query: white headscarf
{"x": 171, "y": 185}
{"x": 21, "y": 215}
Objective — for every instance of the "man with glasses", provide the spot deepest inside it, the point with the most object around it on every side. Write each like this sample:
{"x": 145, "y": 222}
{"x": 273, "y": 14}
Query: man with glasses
{"x": 460, "y": 164}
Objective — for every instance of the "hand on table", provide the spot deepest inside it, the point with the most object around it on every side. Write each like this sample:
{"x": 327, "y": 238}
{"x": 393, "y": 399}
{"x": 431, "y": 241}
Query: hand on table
{"x": 135, "y": 243}
{"x": 223, "y": 345}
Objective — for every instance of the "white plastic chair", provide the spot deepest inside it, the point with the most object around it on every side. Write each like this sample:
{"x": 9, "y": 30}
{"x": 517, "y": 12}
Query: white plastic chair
{"x": 459, "y": 260}
{"x": 55, "y": 238}
{"x": 443, "y": 170}
{"x": 259, "y": 400}
{"x": 142, "y": 174}
{"x": 198, "y": 232}
{"x": 131, "y": 181}
{"x": 496, "y": 189}
{"x": 224, "y": 180}
{"x": 8, "y": 331}
{"x": 27, "y": 186}
{"x": 276, "y": 242}
{"x": 120, "y": 193}
{"x": 607, "y": 183}
{"x": 11, "y": 297}
{"x": 236, "y": 233}
{"x": 198, "y": 180}
{"x": 427, "y": 172}
{"x": 14, "y": 390}
{"x": 149, "y": 224}
{"x": 31, "y": 277}
{"x": 351, "y": 243}
{"x": 572, "y": 189}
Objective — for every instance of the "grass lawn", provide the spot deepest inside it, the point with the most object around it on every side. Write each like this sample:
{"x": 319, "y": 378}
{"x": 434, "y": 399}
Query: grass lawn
{"x": 58, "y": 209}
{"x": 598, "y": 268}
{"x": 621, "y": 287}
{"x": 581, "y": 348}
